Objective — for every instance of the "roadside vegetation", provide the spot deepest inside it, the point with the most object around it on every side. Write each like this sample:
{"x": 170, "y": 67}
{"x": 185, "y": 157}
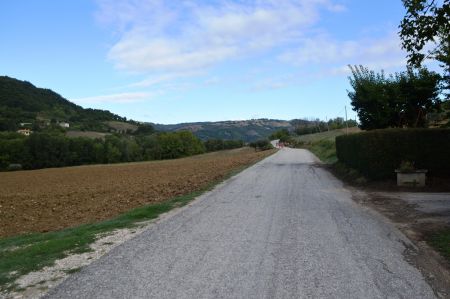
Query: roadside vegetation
{"x": 261, "y": 145}
{"x": 306, "y": 127}
{"x": 212, "y": 145}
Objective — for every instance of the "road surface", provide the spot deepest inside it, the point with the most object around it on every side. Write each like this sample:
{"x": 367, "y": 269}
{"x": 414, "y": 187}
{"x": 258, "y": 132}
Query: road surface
{"x": 284, "y": 228}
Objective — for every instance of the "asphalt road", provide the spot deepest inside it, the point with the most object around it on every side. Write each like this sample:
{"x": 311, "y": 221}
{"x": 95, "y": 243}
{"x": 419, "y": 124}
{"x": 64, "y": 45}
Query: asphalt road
{"x": 284, "y": 228}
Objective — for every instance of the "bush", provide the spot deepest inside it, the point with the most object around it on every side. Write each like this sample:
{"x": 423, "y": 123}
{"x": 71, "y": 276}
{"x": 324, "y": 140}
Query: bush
{"x": 280, "y": 134}
{"x": 261, "y": 145}
{"x": 376, "y": 154}
{"x": 212, "y": 145}
{"x": 172, "y": 145}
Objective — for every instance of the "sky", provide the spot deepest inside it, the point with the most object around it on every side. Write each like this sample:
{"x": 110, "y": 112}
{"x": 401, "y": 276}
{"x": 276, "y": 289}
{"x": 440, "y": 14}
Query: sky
{"x": 172, "y": 61}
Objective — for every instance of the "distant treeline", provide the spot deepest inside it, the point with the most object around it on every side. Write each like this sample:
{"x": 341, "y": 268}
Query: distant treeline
{"x": 317, "y": 126}
{"x": 43, "y": 150}
{"x": 213, "y": 145}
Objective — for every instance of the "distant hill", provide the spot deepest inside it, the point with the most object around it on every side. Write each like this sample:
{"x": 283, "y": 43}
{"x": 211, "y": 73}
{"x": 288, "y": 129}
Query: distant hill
{"x": 247, "y": 130}
{"x": 22, "y": 102}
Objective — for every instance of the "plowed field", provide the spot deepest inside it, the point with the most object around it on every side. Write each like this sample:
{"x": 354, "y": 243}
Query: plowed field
{"x": 52, "y": 199}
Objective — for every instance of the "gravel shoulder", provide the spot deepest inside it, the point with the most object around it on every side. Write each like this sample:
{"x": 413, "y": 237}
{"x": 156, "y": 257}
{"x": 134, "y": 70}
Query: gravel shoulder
{"x": 283, "y": 228}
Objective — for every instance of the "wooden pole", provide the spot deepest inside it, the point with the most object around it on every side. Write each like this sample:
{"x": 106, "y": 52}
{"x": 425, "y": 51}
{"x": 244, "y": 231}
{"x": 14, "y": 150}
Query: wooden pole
{"x": 346, "y": 121}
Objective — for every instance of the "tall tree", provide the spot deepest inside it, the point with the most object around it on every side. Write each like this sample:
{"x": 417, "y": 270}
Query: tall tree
{"x": 398, "y": 100}
{"x": 425, "y": 33}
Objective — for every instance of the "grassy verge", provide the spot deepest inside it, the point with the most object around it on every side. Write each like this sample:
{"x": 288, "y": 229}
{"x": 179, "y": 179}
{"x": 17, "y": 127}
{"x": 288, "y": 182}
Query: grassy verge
{"x": 441, "y": 242}
{"x": 322, "y": 144}
{"x": 325, "y": 150}
{"x": 27, "y": 253}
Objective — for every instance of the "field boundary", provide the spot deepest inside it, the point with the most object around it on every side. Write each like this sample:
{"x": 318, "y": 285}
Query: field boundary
{"x": 24, "y": 254}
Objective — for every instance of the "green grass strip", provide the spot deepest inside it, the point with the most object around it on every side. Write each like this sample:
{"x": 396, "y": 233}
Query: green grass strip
{"x": 441, "y": 242}
{"x": 325, "y": 150}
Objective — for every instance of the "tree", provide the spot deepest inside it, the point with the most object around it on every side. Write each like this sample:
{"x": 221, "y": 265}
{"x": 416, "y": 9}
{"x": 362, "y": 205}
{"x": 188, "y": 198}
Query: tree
{"x": 144, "y": 129}
{"x": 283, "y": 135}
{"x": 399, "y": 100}
{"x": 418, "y": 94}
{"x": 370, "y": 98}
{"x": 262, "y": 145}
{"x": 425, "y": 22}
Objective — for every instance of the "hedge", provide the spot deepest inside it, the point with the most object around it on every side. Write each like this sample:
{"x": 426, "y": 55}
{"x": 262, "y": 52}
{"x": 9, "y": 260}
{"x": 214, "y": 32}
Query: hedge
{"x": 377, "y": 153}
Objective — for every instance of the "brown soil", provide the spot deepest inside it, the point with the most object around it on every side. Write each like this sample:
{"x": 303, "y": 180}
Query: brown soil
{"x": 52, "y": 199}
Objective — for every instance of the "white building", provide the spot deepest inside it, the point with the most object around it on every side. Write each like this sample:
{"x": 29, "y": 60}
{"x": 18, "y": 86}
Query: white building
{"x": 25, "y": 132}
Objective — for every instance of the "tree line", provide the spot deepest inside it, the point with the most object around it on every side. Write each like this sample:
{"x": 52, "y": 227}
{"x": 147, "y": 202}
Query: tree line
{"x": 318, "y": 125}
{"x": 399, "y": 100}
{"x": 53, "y": 149}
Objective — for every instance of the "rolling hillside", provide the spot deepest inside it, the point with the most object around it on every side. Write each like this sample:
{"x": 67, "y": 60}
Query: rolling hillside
{"x": 22, "y": 102}
{"x": 247, "y": 130}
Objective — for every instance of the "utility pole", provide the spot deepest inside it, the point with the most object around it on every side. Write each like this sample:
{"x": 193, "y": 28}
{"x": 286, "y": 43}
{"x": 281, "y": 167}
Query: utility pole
{"x": 346, "y": 121}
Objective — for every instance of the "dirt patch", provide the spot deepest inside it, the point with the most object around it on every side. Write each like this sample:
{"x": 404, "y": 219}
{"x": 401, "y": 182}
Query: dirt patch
{"x": 418, "y": 226}
{"x": 52, "y": 199}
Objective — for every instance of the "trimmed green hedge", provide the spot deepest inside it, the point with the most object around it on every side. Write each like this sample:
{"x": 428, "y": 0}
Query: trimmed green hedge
{"x": 377, "y": 153}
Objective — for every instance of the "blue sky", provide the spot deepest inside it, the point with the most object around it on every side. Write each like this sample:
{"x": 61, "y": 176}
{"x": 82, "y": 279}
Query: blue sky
{"x": 192, "y": 60}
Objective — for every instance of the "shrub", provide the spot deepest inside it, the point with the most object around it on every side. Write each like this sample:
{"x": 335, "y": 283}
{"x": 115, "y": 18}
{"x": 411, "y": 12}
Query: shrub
{"x": 179, "y": 144}
{"x": 262, "y": 145}
{"x": 376, "y": 154}
{"x": 280, "y": 134}
{"x": 212, "y": 145}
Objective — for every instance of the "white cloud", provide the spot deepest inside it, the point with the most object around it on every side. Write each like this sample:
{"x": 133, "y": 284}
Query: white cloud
{"x": 335, "y": 55}
{"x": 162, "y": 78}
{"x": 320, "y": 50}
{"x": 170, "y": 41}
{"x": 212, "y": 81}
{"x": 271, "y": 83}
{"x": 124, "y": 98}
{"x": 157, "y": 35}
